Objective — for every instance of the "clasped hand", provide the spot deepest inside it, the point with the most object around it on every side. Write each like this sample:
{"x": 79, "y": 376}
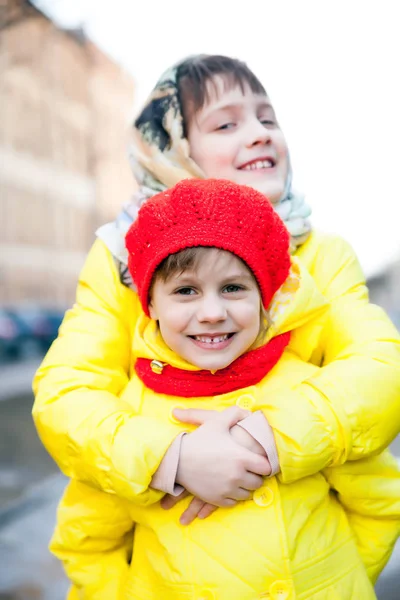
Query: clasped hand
{"x": 220, "y": 462}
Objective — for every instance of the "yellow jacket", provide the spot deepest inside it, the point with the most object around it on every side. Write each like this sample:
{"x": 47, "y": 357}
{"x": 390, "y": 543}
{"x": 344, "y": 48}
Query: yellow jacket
{"x": 352, "y": 402}
{"x": 319, "y": 537}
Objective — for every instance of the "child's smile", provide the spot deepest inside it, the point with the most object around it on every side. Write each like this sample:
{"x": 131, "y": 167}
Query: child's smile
{"x": 213, "y": 341}
{"x": 259, "y": 164}
{"x": 236, "y": 136}
{"x": 209, "y": 315}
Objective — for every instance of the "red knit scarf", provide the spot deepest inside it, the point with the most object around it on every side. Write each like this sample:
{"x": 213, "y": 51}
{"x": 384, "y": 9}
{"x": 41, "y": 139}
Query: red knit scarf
{"x": 248, "y": 369}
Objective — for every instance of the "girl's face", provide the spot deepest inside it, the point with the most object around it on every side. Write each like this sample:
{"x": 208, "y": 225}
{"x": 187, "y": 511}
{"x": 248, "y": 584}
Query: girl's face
{"x": 210, "y": 315}
{"x": 235, "y": 136}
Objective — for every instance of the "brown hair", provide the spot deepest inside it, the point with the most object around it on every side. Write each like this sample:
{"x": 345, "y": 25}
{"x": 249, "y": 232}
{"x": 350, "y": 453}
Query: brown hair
{"x": 177, "y": 263}
{"x": 195, "y": 75}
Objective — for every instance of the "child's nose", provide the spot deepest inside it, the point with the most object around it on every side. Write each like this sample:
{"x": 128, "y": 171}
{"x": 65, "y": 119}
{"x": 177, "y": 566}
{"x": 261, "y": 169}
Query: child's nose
{"x": 258, "y": 134}
{"x": 211, "y": 310}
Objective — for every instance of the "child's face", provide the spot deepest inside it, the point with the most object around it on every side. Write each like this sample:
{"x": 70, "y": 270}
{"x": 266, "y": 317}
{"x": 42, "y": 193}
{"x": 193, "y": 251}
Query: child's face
{"x": 235, "y": 136}
{"x": 211, "y": 315}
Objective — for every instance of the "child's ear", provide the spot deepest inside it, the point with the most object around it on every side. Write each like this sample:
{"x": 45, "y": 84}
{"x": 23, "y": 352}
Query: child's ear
{"x": 153, "y": 312}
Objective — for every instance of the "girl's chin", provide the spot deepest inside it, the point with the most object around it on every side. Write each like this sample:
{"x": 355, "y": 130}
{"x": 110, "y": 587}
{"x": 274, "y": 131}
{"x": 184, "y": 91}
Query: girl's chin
{"x": 273, "y": 190}
{"x": 273, "y": 193}
{"x": 211, "y": 365}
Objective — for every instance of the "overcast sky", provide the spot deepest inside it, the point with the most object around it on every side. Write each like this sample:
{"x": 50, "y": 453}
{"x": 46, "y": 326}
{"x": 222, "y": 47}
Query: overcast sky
{"x": 331, "y": 69}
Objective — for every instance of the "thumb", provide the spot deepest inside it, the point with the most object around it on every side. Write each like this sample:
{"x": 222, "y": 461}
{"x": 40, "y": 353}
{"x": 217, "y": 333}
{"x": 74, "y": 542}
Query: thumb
{"x": 231, "y": 416}
{"x": 195, "y": 416}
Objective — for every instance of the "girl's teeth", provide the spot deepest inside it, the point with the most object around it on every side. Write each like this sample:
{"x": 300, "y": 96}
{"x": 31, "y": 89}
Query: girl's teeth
{"x": 259, "y": 164}
{"x": 211, "y": 340}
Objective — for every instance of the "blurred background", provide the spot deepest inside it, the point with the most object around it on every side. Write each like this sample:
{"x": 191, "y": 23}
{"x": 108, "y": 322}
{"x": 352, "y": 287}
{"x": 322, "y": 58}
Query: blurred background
{"x": 72, "y": 75}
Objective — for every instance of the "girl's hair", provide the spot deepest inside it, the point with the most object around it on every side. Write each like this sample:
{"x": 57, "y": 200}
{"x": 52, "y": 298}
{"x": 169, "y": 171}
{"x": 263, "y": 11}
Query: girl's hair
{"x": 195, "y": 76}
{"x": 189, "y": 259}
{"x": 179, "y": 262}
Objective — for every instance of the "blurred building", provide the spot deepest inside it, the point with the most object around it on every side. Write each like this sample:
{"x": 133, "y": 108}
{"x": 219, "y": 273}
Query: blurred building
{"x": 64, "y": 115}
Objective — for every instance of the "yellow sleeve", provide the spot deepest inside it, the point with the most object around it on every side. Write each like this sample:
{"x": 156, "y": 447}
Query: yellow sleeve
{"x": 350, "y": 409}
{"x": 91, "y": 434}
{"x": 369, "y": 491}
{"x": 93, "y": 539}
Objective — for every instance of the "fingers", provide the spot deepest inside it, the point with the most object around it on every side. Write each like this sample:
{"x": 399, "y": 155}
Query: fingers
{"x": 242, "y": 494}
{"x": 189, "y": 515}
{"x": 206, "y": 511}
{"x": 201, "y": 510}
{"x": 257, "y": 464}
{"x": 198, "y": 416}
{"x": 194, "y": 416}
{"x": 229, "y": 502}
{"x": 170, "y": 501}
{"x": 232, "y": 415}
{"x": 252, "y": 482}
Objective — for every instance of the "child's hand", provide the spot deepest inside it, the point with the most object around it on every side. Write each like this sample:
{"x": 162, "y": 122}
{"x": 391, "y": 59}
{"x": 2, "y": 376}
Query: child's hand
{"x": 245, "y": 439}
{"x": 197, "y": 507}
{"x": 212, "y": 465}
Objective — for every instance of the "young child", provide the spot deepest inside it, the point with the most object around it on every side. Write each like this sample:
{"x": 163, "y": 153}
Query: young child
{"x": 210, "y": 116}
{"x": 208, "y": 258}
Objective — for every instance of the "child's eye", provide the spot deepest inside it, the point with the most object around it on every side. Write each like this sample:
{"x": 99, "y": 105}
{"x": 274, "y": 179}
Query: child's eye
{"x": 225, "y": 126}
{"x": 185, "y": 291}
{"x": 232, "y": 288}
{"x": 268, "y": 122}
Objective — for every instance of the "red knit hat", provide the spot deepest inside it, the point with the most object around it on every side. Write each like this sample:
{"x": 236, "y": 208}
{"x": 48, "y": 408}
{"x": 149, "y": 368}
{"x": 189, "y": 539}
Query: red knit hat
{"x": 210, "y": 212}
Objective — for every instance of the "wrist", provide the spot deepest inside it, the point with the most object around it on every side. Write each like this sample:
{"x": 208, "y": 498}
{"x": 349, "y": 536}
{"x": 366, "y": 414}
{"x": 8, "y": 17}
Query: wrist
{"x": 179, "y": 479}
{"x": 164, "y": 479}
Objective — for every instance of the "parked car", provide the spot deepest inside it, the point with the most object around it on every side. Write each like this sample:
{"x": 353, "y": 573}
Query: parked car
{"x": 38, "y": 324}
{"x": 8, "y": 336}
{"x": 27, "y": 331}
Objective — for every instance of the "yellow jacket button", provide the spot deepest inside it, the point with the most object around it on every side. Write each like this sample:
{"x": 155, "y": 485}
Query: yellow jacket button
{"x": 264, "y": 496}
{"x": 279, "y": 590}
{"x": 246, "y": 402}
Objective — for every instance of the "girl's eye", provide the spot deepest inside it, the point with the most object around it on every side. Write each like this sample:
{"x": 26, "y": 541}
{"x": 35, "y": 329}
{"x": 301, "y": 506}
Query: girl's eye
{"x": 185, "y": 291}
{"x": 225, "y": 126}
{"x": 232, "y": 288}
{"x": 268, "y": 122}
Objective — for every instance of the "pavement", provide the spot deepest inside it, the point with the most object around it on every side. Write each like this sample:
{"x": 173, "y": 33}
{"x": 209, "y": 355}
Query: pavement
{"x": 27, "y": 570}
{"x": 16, "y": 378}
{"x": 23, "y": 460}
{"x": 30, "y": 489}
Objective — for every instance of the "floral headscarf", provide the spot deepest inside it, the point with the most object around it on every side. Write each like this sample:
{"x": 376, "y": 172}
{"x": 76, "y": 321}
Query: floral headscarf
{"x": 160, "y": 157}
